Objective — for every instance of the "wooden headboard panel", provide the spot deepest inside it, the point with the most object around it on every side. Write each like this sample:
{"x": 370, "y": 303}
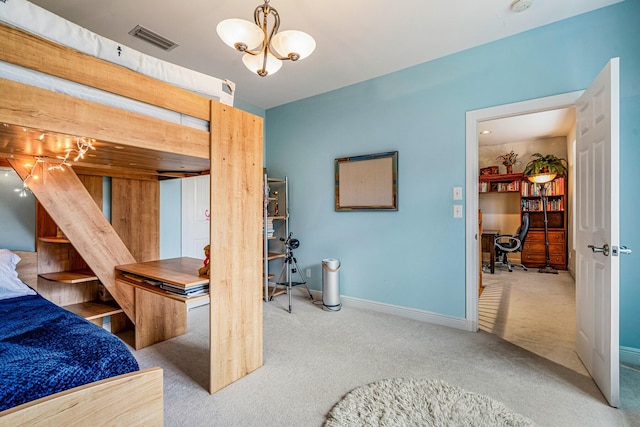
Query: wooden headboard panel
{"x": 28, "y": 268}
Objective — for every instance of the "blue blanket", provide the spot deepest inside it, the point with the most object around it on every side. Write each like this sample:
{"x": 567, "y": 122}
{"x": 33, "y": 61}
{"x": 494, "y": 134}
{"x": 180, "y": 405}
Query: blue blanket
{"x": 45, "y": 349}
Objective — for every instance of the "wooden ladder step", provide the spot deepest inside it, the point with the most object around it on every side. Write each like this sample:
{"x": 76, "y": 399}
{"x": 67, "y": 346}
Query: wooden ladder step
{"x": 75, "y": 276}
{"x": 94, "y": 309}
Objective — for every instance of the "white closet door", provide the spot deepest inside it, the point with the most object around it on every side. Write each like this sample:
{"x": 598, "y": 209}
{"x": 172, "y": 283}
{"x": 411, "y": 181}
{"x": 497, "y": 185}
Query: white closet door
{"x": 195, "y": 215}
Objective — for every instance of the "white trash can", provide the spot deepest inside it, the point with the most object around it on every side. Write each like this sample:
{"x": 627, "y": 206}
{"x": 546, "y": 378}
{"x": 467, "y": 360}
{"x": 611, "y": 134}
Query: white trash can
{"x": 331, "y": 284}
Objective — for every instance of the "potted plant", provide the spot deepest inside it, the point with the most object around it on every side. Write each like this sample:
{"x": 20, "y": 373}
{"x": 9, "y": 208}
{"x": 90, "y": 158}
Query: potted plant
{"x": 548, "y": 163}
{"x": 509, "y": 159}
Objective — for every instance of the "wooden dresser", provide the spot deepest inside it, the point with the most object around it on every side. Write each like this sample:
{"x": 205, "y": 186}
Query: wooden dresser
{"x": 533, "y": 254}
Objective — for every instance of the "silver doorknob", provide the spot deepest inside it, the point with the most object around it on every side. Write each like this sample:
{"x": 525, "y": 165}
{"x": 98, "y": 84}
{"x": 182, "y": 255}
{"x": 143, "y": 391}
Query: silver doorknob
{"x": 625, "y": 250}
{"x": 604, "y": 249}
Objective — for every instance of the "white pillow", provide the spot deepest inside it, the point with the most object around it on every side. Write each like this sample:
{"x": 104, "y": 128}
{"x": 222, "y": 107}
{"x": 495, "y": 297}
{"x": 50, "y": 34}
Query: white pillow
{"x": 10, "y": 285}
{"x": 8, "y": 258}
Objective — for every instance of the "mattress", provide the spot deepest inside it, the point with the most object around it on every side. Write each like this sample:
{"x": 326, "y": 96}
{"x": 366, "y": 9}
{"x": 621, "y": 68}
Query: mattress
{"x": 36, "y": 20}
{"x": 45, "y": 349}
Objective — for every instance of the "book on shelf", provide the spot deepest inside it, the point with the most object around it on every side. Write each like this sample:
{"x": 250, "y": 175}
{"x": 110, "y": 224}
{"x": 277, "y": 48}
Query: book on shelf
{"x": 500, "y": 187}
{"x": 554, "y": 188}
{"x": 187, "y": 292}
{"x": 269, "y": 227}
{"x": 535, "y": 205}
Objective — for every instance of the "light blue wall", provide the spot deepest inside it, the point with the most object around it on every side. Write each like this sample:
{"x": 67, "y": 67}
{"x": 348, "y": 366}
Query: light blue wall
{"x": 415, "y": 257}
{"x": 17, "y": 214}
{"x": 106, "y": 197}
{"x": 249, "y": 108}
{"x": 170, "y": 218}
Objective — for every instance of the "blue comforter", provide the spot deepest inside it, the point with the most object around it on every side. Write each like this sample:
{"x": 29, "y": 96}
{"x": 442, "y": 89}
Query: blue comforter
{"x": 45, "y": 349}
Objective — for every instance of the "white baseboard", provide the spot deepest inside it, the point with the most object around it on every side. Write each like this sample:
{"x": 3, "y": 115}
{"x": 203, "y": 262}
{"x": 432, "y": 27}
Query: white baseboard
{"x": 629, "y": 356}
{"x": 406, "y": 312}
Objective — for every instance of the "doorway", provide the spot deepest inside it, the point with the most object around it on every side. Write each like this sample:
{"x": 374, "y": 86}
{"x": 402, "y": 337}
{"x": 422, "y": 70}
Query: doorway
{"x": 532, "y": 311}
{"x": 474, "y": 118}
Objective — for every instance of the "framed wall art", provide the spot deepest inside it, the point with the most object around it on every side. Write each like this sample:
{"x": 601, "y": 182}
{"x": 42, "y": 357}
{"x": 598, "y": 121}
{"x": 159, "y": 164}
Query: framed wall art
{"x": 367, "y": 182}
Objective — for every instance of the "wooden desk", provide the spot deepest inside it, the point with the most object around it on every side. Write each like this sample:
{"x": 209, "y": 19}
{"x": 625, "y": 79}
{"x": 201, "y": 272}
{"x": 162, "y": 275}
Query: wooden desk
{"x": 160, "y": 315}
{"x": 488, "y": 245}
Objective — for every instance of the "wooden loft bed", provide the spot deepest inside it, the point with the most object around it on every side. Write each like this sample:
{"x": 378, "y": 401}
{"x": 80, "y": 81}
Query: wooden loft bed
{"x": 135, "y": 145}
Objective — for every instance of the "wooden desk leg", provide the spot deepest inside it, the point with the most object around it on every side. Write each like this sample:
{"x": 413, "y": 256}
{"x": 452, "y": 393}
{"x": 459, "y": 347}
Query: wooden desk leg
{"x": 492, "y": 258}
{"x": 158, "y": 318}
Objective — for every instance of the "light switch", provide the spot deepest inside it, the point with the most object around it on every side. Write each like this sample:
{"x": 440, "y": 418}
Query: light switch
{"x": 457, "y": 193}
{"x": 457, "y": 211}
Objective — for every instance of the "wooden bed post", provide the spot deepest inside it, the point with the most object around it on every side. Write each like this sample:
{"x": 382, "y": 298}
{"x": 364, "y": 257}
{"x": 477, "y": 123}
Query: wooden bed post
{"x": 236, "y": 246}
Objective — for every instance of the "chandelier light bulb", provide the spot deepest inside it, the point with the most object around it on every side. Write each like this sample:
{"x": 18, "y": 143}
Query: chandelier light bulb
{"x": 255, "y": 62}
{"x": 240, "y": 34}
{"x": 295, "y": 45}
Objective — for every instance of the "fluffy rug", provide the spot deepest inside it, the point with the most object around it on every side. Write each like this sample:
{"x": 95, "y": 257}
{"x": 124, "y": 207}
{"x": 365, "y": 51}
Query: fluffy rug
{"x": 415, "y": 402}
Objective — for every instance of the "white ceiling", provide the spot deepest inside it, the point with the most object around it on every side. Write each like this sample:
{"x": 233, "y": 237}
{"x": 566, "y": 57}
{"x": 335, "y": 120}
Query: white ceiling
{"x": 542, "y": 125}
{"x": 356, "y": 39}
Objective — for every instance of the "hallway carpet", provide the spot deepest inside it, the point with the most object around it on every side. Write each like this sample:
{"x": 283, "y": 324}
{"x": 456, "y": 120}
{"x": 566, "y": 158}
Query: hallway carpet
{"x": 534, "y": 311}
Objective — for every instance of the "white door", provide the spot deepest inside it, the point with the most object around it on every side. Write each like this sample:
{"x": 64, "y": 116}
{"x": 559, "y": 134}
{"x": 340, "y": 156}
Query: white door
{"x": 597, "y": 225}
{"x": 195, "y": 215}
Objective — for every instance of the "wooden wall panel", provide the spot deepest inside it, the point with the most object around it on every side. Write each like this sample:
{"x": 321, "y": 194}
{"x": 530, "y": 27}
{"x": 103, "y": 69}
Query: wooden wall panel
{"x": 236, "y": 245}
{"x": 27, "y": 268}
{"x": 93, "y": 184}
{"x": 45, "y": 226}
{"x": 55, "y": 257}
{"x": 135, "y": 215}
{"x": 63, "y": 294}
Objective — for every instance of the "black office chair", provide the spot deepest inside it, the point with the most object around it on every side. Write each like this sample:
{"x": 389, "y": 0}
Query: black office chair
{"x": 506, "y": 244}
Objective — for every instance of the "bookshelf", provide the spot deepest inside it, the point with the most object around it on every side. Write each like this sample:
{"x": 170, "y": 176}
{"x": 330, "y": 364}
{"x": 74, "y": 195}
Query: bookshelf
{"x": 500, "y": 183}
{"x": 533, "y": 252}
{"x": 64, "y": 277}
{"x": 275, "y": 231}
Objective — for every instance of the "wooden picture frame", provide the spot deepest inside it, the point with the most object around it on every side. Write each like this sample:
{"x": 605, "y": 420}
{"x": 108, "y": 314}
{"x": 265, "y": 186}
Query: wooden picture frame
{"x": 367, "y": 182}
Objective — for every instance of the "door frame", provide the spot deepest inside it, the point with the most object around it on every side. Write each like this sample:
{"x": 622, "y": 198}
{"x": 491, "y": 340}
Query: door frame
{"x": 472, "y": 254}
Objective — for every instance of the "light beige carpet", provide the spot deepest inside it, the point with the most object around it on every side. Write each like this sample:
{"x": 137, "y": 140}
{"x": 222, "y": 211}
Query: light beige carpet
{"x": 312, "y": 358}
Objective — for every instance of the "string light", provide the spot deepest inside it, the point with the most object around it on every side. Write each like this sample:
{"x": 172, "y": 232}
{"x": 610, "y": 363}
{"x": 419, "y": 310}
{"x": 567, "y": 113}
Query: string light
{"x": 82, "y": 146}
{"x": 72, "y": 154}
{"x": 24, "y": 190}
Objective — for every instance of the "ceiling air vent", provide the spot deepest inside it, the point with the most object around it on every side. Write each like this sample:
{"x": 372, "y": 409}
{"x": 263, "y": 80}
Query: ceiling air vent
{"x": 155, "y": 39}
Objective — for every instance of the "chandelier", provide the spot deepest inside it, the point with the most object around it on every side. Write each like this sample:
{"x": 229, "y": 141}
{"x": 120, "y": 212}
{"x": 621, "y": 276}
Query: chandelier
{"x": 264, "y": 48}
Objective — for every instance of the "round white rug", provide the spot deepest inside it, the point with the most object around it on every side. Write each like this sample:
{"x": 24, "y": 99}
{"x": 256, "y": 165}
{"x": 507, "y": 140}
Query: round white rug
{"x": 416, "y": 402}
